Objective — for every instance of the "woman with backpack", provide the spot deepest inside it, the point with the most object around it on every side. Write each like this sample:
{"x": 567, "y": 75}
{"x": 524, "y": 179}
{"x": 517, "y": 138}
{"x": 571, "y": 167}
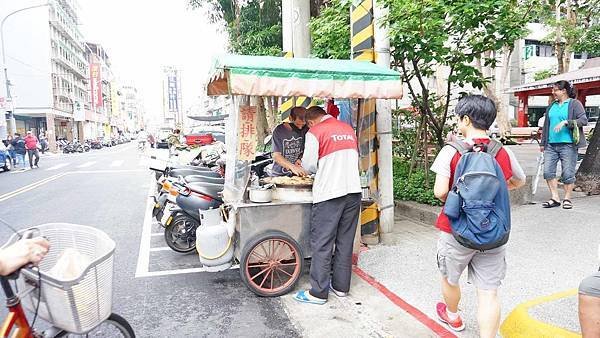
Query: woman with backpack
{"x": 562, "y": 135}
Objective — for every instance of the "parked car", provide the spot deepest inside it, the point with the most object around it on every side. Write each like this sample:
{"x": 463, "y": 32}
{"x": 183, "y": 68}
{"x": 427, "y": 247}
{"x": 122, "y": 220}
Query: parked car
{"x": 5, "y": 159}
{"x": 161, "y": 138}
{"x": 203, "y": 135}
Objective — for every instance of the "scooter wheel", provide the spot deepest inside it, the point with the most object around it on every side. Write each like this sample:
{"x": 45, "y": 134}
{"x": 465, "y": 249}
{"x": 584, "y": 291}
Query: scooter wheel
{"x": 180, "y": 233}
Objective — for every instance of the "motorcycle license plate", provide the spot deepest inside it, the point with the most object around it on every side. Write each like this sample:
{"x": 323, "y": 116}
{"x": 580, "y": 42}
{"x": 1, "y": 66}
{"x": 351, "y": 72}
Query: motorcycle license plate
{"x": 166, "y": 215}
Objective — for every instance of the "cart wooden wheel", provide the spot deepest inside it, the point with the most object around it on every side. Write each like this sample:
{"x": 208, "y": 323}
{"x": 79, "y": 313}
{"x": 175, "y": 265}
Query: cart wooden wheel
{"x": 271, "y": 264}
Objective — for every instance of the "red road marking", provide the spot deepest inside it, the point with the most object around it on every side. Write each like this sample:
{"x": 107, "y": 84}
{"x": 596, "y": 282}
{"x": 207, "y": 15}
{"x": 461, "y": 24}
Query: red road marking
{"x": 411, "y": 310}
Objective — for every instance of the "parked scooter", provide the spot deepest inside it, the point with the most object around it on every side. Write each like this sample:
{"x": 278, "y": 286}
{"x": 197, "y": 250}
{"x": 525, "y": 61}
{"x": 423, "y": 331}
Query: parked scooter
{"x": 184, "y": 219}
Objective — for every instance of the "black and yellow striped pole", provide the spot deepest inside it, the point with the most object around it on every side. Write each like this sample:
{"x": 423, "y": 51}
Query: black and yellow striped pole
{"x": 290, "y": 102}
{"x": 362, "y": 42}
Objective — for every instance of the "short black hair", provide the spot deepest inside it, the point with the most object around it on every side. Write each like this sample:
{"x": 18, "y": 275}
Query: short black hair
{"x": 480, "y": 109}
{"x": 314, "y": 113}
{"x": 298, "y": 112}
{"x": 566, "y": 85}
{"x": 176, "y": 131}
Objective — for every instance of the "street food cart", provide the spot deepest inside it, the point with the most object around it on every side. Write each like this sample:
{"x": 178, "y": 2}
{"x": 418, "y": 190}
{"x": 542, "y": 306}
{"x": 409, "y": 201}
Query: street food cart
{"x": 271, "y": 240}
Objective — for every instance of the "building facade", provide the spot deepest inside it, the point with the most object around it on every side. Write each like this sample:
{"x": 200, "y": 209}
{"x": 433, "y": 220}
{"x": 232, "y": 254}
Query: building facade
{"x": 46, "y": 67}
{"x": 173, "y": 114}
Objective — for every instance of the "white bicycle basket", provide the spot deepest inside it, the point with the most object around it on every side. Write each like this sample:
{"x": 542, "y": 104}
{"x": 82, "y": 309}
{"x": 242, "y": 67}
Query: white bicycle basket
{"x": 79, "y": 304}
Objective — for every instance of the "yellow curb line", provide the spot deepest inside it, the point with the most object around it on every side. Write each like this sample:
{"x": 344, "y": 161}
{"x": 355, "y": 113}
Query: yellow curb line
{"x": 519, "y": 324}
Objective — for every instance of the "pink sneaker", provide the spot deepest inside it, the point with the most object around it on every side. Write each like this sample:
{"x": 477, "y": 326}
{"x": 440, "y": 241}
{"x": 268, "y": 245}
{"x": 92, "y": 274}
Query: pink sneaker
{"x": 456, "y": 325}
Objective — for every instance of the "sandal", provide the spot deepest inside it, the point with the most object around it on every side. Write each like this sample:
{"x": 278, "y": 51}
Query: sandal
{"x": 552, "y": 203}
{"x": 567, "y": 204}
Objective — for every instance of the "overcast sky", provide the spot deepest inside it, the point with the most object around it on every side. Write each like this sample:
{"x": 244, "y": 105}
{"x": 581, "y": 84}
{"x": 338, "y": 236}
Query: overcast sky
{"x": 142, "y": 36}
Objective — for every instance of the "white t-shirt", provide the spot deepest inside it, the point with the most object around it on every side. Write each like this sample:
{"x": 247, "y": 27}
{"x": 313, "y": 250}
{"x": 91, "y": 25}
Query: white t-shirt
{"x": 441, "y": 165}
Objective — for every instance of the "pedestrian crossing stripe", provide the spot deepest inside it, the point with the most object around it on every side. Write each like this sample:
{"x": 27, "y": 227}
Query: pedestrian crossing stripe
{"x": 116, "y": 163}
{"x": 58, "y": 166}
{"x": 87, "y": 164}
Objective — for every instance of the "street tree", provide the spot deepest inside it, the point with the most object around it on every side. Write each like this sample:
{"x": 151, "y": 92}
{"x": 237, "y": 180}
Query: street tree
{"x": 254, "y": 28}
{"x": 330, "y": 31}
{"x": 574, "y": 27}
{"x": 588, "y": 175}
{"x": 447, "y": 39}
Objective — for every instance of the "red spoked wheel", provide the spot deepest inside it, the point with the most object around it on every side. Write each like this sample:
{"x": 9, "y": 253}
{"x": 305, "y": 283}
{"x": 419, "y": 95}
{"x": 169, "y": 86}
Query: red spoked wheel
{"x": 271, "y": 264}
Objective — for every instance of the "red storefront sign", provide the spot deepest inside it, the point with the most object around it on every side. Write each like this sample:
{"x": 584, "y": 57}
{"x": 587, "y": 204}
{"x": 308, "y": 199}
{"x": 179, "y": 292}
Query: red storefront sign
{"x": 96, "y": 84}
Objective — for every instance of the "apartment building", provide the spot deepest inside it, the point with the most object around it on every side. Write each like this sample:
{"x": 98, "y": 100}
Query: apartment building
{"x": 46, "y": 68}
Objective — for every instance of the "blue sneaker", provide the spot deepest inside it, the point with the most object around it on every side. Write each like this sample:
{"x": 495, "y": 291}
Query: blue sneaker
{"x": 303, "y": 296}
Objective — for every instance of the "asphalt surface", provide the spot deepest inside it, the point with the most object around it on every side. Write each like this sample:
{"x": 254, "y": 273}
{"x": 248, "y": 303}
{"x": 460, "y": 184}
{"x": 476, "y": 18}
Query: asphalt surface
{"x": 108, "y": 189}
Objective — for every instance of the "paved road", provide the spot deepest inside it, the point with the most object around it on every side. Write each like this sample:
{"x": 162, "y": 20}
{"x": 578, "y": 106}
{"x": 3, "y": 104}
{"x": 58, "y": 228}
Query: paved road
{"x": 109, "y": 189}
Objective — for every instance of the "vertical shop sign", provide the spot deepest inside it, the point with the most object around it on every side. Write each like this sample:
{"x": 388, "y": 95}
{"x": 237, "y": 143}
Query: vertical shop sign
{"x": 78, "y": 112}
{"x": 173, "y": 91}
{"x": 247, "y": 133}
{"x": 96, "y": 84}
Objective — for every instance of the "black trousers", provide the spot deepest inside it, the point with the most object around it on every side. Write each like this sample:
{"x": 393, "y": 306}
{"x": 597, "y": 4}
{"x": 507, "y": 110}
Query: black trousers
{"x": 333, "y": 225}
{"x": 31, "y": 153}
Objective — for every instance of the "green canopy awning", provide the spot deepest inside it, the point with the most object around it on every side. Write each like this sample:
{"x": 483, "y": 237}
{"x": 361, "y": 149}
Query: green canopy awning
{"x": 277, "y": 76}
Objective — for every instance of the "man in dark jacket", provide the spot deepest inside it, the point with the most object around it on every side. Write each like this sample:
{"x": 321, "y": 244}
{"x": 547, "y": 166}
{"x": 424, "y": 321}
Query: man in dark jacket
{"x": 18, "y": 144}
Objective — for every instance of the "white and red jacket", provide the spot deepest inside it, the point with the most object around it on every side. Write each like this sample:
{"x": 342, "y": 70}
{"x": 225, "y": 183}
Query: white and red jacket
{"x": 331, "y": 151}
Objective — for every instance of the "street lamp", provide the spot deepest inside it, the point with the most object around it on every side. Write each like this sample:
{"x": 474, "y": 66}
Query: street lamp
{"x": 8, "y": 96}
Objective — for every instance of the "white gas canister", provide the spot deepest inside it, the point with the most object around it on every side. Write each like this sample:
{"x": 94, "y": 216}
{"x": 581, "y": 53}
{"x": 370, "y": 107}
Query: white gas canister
{"x": 214, "y": 246}
{"x": 210, "y": 217}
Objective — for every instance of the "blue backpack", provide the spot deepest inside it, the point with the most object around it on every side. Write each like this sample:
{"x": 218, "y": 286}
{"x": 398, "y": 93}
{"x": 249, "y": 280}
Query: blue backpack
{"x": 478, "y": 204}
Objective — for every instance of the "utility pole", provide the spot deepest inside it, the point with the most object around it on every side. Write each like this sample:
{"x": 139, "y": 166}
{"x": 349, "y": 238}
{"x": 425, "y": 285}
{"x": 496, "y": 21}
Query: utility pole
{"x": 384, "y": 125}
{"x": 295, "y": 15}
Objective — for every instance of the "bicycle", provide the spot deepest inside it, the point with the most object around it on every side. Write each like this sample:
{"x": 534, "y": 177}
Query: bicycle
{"x": 81, "y": 306}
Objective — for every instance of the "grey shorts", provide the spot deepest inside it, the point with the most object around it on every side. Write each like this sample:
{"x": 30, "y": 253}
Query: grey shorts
{"x": 486, "y": 269}
{"x": 590, "y": 286}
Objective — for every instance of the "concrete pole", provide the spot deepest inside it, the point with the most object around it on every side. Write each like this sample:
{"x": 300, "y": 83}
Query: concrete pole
{"x": 384, "y": 126}
{"x": 295, "y": 15}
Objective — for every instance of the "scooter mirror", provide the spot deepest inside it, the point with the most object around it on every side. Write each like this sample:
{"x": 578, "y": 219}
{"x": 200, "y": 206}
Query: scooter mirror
{"x": 268, "y": 140}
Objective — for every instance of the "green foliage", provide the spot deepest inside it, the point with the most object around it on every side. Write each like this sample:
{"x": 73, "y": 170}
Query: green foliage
{"x": 579, "y": 26}
{"x": 254, "y": 26}
{"x": 330, "y": 31}
{"x": 543, "y": 74}
{"x": 429, "y": 34}
{"x": 413, "y": 188}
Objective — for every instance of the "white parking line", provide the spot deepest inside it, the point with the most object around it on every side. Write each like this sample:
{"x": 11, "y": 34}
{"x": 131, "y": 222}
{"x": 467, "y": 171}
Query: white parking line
{"x": 58, "y": 166}
{"x": 86, "y": 164}
{"x": 117, "y": 163}
{"x": 156, "y": 234}
{"x": 162, "y": 248}
{"x": 179, "y": 271}
{"x": 143, "y": 263}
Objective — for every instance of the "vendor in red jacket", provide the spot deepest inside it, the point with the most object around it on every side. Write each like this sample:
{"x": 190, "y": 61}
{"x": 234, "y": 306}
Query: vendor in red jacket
{"x": 31, "y": 143}
{"x": 331, "y": 153}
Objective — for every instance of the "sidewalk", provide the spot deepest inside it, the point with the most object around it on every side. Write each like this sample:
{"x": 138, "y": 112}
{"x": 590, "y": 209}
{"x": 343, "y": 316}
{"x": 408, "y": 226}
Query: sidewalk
{"x": 366, "y": 312}
{"x": 550, "y": 251}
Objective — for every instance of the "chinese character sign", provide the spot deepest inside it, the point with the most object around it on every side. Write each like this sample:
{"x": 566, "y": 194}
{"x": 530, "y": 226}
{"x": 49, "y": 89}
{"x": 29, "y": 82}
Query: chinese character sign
{"x": 173, "y": 92}
{"x": 96, "y": 84}
{"x": 247, "y": 139}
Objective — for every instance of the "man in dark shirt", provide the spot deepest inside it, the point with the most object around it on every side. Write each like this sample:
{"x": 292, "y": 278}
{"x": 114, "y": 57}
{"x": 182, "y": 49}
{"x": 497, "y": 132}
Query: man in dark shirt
{"x": 288, "y": 144}
{"x": 18, "y": 144}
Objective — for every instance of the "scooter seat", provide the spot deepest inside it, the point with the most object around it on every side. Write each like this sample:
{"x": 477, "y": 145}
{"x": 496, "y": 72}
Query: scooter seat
{"x": 189, "y": 166}
{"x": 188, "y": 172}
{"x": 208, "y": 189}
{"x": 202, "y": 178}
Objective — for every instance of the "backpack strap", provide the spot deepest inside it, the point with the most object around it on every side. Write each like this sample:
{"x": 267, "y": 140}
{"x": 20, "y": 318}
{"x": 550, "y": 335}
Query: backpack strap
{"x": 461, "y": 147}
{"x": 494, "y": 147}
